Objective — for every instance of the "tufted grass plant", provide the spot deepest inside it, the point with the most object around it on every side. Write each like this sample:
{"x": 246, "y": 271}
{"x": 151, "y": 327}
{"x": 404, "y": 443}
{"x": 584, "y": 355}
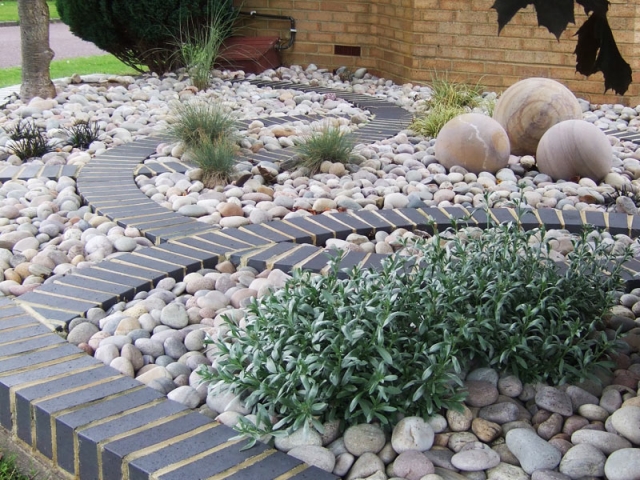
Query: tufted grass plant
{"x": 198, "y": 121}
{"x": 432, "y": 122}
{"x": 374, "y": 345}
{"x": 329, "y": 143}
{"x": 216, "y": 159}
{"x": 450, "y": 93}
{"x": 199, "y": 47}
{"x": 208, "y": 132}
{"x": 27, "y": 140}
{"x": 448, "y": 100}
{"x": 82, "y": 134}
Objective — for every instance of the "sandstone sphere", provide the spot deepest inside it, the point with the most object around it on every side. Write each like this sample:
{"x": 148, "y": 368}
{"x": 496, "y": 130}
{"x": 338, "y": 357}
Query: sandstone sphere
{"x": 574, "y": 148}
{"x": 530, "y": 107}
{"x": 473, "y": 141}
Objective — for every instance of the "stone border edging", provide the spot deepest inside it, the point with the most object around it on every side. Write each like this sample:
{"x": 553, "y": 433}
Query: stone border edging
{"x": 94, "y": 423}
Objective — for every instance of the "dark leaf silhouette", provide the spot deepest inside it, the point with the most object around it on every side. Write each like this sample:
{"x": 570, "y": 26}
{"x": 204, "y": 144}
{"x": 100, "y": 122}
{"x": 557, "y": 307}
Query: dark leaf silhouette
{"x": 596, "y": 50}
{"x": 507, "y": 9}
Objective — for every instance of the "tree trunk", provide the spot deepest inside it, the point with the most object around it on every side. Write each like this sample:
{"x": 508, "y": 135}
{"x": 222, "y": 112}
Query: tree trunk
{"x": 36, "y": 54}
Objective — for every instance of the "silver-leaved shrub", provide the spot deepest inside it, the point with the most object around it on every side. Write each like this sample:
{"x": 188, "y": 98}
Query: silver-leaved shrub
{"x": 372, "y": 345}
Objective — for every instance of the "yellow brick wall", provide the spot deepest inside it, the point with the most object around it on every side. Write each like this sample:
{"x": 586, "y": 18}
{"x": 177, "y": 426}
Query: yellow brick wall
{"x": 411, "y": 40}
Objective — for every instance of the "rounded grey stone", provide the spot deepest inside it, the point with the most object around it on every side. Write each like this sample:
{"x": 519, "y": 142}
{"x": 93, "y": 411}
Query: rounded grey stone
{"x": 125, "y": 244}
{"x": 344, "y": 461}
{"x": 474, "y": 457}
{"x": 195, "y": 340}
{"x": 138, "y": 333}
{"x": 554, "y": 400}
{"x": 192, "y": 211}
{"x": 367, "y": 464}
{"x": 315, "y": 455}
{"x": 510, "y": 386}
{"x": 82, "y": 332}
{"x": 186, "y": 395}
{"x": 176, "y": 369}
{"x": 583, "y": 460}
{"x": 484, "y": 375}
{"x": 174, "y": 347}
{"x": 117, "y": 340}
{"x": 107, "y": 354}
{"x": 604, "y": 441}
{"x": 164, "y": 360}
{"x": 149, "y": 347}
{"x": 412, "y": 465}
{"x": 626, "y": 421}
{"x": 162, "y": 385}
{"x": 623, "y": 465}
{"x": 412, "y": 433}
{"x": 174, "y": 315}
{"x": 500, "y": 412}
{"x": 533, "y": 452}
{"x": 548, "y": 475}
{"x": 363, "y": 438}
{"x": 297, "y": 439}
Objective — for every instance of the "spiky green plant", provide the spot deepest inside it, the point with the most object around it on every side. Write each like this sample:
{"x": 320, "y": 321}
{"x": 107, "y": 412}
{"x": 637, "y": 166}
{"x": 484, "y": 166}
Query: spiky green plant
{"x": 448, "y": 100}
{"x": 216, "y": 159}
{"x": 460, "y": 94}
{"x": 432, "y": 122}
{"x": 82, "y": 134}
{"x": 198, "y": 121}
{"x": 199, "y": 46}
{"x": 329, "y": 143}
{"x": 27, "y": 140}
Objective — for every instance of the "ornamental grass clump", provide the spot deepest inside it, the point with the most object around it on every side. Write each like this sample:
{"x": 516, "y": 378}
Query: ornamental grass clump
{"x": 27, "y": 140}
{"x": 197, "y": 121}
{"x": 376, "y": 345}
{"x": 448, "y": 100}
{"x": 328, "y": 144}
{"x": 216, "y": 159}
{"x": 82, "y": 134}
{"x": 208, "y": 134}
{"x": 199, "y": 45}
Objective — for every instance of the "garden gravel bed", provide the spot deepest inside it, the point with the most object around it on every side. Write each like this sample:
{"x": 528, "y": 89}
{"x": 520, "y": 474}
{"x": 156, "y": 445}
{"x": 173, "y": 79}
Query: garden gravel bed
{"x": 158, "y": 336}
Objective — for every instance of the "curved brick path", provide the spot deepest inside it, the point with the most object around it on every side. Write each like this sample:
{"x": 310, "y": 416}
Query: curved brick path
{"x": 93, "y": 422}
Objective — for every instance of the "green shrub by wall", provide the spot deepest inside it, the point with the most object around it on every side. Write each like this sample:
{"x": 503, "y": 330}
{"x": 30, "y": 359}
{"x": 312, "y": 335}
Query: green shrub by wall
{"x": 139, "y": 33}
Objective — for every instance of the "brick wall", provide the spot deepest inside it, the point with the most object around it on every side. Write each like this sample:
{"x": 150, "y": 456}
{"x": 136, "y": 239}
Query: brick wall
{"x": 411, "y": 40}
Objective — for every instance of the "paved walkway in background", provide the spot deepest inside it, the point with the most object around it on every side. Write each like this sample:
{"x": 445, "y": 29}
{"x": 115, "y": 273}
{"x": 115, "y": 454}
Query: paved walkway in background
{"x": 64, "y": 44}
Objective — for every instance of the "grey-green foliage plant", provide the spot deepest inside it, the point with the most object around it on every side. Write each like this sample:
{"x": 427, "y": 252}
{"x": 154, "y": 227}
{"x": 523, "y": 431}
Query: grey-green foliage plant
{"x": 216, "y": 159}
{"x": 208, "y": 133}
{"x": 328, "y": 143}
{"x": 379, "y": 344}
{"x": 199, "y": 44}
{"x": 199, "y": 120}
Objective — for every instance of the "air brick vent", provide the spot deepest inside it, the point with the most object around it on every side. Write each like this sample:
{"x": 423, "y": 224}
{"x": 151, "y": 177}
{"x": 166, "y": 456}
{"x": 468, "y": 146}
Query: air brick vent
{"x": 346, "y": 50}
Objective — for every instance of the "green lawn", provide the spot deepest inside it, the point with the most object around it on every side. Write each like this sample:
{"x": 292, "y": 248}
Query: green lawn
{"x": 67, "y": 67}
{"x": 9, "y": 10}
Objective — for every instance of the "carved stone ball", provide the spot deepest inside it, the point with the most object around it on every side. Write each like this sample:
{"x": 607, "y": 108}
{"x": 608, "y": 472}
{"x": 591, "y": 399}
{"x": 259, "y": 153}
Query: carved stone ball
{"x": 530, "y": 107}
{"x": 473, "y": 141}
{"x": 574, "y": 148}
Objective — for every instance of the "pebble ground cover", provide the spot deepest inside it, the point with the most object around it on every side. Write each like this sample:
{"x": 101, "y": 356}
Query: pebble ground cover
{"x": 507, "y": 428}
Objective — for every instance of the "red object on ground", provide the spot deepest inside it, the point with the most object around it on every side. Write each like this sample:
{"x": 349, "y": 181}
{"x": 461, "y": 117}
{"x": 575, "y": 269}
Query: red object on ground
{"x": 251, "y": 54}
